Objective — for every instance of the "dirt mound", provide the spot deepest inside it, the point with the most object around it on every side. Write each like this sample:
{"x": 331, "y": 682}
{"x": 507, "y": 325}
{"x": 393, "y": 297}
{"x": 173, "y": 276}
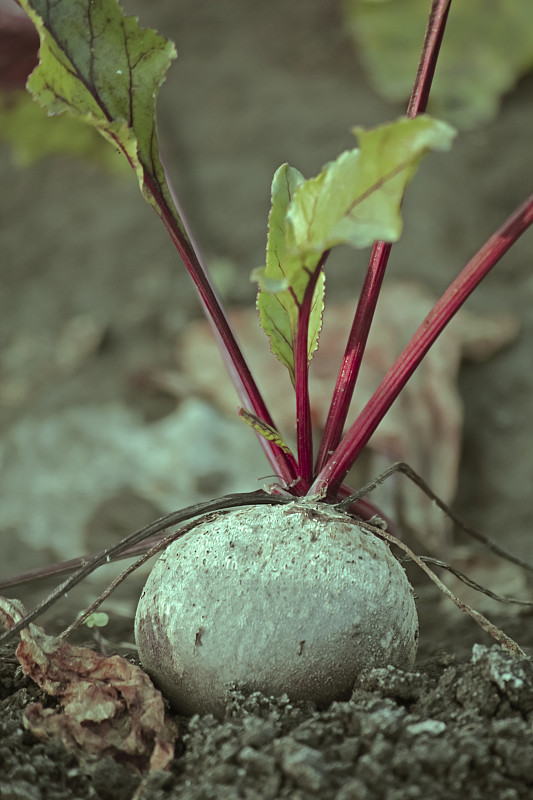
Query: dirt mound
{"x": 451, "y": 729}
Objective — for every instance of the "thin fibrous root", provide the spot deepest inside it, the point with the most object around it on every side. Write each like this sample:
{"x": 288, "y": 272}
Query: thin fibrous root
{"x": 498, "y": 635}
{"x": 473, "y": 585}
{"x": 413, "y": 476}
{"x": 162, "y": 544}
{"x": 176, "y": 518}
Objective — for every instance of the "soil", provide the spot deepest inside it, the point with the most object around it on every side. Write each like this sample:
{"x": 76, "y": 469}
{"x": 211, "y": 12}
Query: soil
{"x": 458, "y": 726}
{"x": 89, "y": 451}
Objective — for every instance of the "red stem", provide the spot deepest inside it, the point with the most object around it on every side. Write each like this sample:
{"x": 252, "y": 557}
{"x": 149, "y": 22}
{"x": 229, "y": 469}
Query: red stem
{"x": 438, "y": 16}
{"x": 353, "y": 355}
{"x": 284, "y": 464}
{"x": 364, "y": 314}
{"x": 453, "y": 298}
{"x": 304, "y": 432}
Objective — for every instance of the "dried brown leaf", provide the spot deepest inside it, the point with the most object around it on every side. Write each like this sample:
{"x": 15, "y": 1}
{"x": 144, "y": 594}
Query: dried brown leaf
{"x": 106, "y": 706}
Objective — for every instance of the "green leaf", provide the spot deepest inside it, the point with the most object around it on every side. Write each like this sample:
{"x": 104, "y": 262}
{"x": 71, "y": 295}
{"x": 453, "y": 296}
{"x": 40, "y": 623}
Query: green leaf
{"x": 486, "y": 48}
{"x": 356, "y": 199}
{"x": 98, "y": 619}
{"x": 261, "y": 427}
{"x": 103, "y": 68}
{"x": 284, "y": 279}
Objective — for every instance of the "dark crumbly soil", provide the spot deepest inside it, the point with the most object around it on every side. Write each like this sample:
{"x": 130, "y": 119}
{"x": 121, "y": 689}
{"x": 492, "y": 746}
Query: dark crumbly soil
{"x": 455, "y": 727}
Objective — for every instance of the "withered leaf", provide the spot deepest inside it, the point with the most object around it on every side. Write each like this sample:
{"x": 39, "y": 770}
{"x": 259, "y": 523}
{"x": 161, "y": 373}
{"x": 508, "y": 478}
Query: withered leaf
{"x": 106, "y": 705}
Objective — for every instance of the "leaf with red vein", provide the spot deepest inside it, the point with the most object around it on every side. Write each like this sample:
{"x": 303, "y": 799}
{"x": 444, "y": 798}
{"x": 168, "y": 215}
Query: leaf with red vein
{"x": 356, "y": 199}
{"x": 103, "y": 68}
{"x": 284, "y": 279}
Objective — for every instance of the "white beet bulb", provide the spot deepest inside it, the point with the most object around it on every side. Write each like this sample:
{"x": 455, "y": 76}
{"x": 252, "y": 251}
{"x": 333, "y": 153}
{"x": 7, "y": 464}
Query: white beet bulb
{"x": 292, "y": 599}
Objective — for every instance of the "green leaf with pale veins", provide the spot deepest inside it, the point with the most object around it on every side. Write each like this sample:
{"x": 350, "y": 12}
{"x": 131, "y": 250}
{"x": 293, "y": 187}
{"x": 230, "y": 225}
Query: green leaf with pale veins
{"x": 102, "y": 67}
{"x": 356, "y": 199}
{"x": 283, "y": 281}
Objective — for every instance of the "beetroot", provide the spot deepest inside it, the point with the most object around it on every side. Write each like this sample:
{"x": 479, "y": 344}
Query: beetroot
{"x": 294, "y": 599}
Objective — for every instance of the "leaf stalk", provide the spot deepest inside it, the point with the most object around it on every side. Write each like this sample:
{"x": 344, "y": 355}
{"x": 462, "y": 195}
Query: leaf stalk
{"x": 446, "y": 307}
{"x": 364, "y": 314}
{"x": 283, "y": 463}
{"x": 304, "y": 432}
